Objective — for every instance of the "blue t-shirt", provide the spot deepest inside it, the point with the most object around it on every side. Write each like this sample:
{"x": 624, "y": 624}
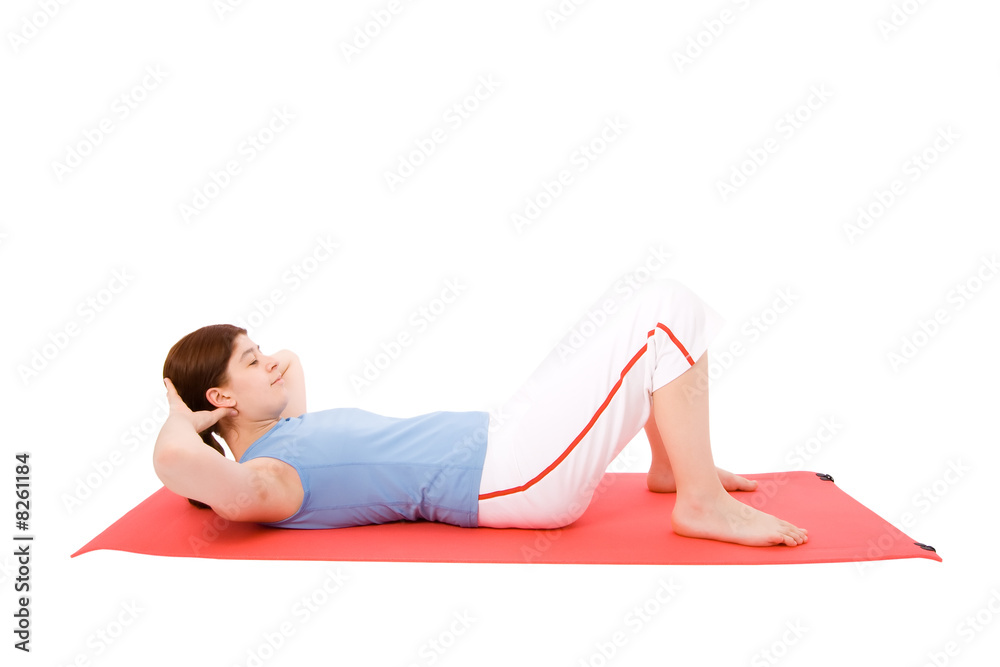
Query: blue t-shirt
{"x": 358, "y": 467}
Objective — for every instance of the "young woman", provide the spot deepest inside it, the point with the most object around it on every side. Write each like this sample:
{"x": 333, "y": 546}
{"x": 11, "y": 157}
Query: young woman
{"x": 637, "y": 360}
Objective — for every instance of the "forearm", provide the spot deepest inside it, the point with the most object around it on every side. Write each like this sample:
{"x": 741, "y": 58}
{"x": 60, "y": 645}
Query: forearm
{"x": 188, "y": 468}
{"x": 286, "y": 359}
{"x": 176, "y": 439}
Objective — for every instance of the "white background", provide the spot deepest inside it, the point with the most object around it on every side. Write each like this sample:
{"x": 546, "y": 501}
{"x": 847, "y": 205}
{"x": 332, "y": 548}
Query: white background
{"x": 72, "y": 400}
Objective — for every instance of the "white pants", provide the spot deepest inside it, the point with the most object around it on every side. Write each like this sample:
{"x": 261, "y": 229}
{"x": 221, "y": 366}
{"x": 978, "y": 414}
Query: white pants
{"x": 549, "y": 444}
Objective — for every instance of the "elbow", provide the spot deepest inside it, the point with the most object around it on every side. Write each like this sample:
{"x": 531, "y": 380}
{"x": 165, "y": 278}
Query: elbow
{"x": 164, "y": 467}
{"x": 162, "y": 463}
{"x": 286, "y": 358}
{"x": 167, "y": 464}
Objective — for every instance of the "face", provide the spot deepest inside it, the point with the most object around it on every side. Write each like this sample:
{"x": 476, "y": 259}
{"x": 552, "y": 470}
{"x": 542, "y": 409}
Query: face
{"x": 255, "y": 387}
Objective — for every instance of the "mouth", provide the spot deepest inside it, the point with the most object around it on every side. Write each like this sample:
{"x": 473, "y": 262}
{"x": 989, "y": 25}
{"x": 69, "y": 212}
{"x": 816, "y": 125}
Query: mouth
{"x": 280, "y": 380}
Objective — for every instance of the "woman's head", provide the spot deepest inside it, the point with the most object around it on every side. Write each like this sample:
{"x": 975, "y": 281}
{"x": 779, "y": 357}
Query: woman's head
{"x": 219, "y": 366}
{"x": 200, "y": 361}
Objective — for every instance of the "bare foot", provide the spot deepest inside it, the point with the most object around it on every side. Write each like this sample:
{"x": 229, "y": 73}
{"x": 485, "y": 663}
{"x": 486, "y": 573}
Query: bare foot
{"x": 662, "y": 481}
{"x": 726, "y": 519}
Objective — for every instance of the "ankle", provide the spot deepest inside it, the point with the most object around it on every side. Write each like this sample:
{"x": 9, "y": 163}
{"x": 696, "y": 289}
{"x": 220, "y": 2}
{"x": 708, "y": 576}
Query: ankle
{"x": 700, "y": 497}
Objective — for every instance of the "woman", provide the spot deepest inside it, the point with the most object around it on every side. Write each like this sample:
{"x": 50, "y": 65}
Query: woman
{"x": 637, "y": 360}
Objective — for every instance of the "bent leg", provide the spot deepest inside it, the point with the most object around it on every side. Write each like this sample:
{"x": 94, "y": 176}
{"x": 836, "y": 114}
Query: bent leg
{"x": 660, "y": 478}
{"x": 704, "y": 509}
{"x": 550, "y": 444}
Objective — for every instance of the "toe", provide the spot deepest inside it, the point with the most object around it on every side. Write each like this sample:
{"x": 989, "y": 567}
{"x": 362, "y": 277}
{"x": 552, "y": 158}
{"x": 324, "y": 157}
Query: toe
{"x": 792, "y": 538}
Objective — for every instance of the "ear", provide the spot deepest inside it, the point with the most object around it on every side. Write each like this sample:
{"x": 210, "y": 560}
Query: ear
{"x": 220, "y": 399}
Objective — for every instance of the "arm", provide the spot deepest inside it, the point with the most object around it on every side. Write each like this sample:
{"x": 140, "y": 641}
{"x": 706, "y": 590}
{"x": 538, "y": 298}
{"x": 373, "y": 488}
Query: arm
{"x": 295, "y": 384}
{"x": 189, "y": 468}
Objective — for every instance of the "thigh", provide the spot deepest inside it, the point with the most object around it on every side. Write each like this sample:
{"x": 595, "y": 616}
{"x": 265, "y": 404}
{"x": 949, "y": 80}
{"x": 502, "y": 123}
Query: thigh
{"x": 551, "y": 442}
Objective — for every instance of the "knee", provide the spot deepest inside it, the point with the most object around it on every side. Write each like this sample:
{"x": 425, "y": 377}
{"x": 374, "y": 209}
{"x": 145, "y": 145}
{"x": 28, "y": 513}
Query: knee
{"x": 669, "y": 289}
{"x": 673, "y": 297}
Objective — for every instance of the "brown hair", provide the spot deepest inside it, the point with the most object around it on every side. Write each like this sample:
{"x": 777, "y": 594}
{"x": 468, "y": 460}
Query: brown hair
{"x": 195, "y": 364}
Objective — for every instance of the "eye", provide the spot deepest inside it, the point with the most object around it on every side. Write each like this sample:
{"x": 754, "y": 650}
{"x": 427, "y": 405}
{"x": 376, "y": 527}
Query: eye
{"x": 253, "y": 362}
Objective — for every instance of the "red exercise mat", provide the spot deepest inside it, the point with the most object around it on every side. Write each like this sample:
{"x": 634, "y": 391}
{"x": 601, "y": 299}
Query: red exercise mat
{"x": 625, "y": 523}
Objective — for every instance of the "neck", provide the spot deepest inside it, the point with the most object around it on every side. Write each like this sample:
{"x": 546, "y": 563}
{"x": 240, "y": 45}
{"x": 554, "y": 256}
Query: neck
{"x": 241, "y": 435}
